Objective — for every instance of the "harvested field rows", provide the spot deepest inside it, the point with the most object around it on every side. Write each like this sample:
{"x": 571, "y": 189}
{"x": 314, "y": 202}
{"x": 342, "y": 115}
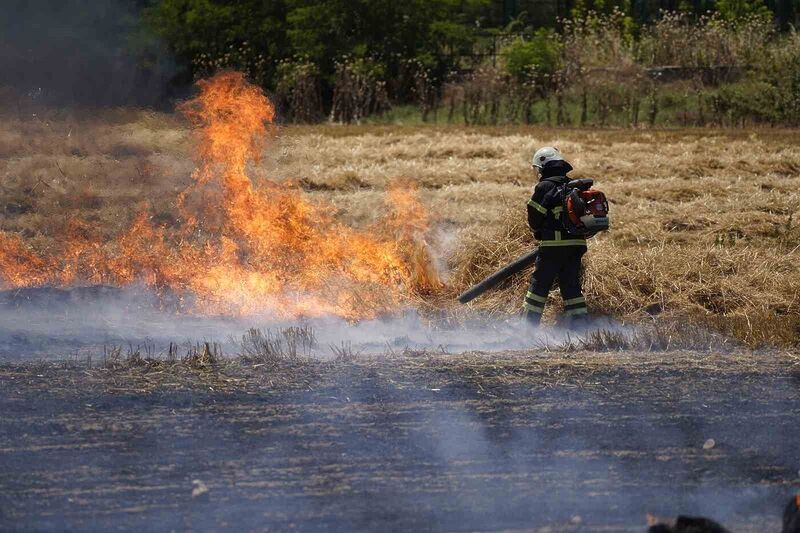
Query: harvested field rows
{"x": 703, "y": 221}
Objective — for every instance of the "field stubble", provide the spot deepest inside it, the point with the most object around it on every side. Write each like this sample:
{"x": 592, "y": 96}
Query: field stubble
{"x": 569, "y": 441}
{"x": 703, "y": 228}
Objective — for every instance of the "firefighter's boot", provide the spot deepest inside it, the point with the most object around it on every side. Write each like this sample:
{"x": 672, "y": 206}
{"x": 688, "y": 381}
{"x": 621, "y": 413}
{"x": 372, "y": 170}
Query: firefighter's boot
{"x": 576, "y": 313}
{"x": 533, "y": 307}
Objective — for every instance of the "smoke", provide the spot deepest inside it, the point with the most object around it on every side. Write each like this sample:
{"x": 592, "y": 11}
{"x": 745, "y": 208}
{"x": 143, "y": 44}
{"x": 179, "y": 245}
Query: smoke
{"x": 444, "y": 243}
{"x": 600, "y": 455}
{"x": 53, "y": 323}
{"x": 564, "y": 458}
{"x": 73, "y": 52}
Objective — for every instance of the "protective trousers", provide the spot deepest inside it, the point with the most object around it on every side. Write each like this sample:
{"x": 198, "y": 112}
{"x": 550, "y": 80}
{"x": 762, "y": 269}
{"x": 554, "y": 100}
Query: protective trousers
{"x": 564, "y": 263}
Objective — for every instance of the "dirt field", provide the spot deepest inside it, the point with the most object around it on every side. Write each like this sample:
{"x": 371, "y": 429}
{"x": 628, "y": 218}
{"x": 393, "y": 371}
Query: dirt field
{"x": 513, "y": 441}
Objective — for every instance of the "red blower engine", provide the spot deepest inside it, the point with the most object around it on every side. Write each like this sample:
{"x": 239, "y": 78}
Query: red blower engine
{"x": 585, "y": 209}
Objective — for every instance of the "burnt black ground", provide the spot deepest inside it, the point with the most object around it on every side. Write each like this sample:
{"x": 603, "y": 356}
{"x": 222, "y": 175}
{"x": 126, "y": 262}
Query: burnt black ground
{"x": 482, "y": 442}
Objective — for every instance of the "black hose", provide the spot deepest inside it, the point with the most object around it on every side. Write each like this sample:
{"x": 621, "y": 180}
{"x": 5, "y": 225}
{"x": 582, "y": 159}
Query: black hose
{"x": 507, "y": 271}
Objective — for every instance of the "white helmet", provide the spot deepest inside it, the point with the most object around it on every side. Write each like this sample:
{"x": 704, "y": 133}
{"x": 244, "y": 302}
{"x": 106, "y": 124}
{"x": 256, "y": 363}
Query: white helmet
{"x": 545, "y": 155}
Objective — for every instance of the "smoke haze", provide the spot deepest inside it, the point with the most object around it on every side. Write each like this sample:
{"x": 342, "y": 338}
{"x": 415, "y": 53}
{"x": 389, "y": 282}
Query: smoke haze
{"x": 72, "y": 52}
{"x": 52, "y": 323}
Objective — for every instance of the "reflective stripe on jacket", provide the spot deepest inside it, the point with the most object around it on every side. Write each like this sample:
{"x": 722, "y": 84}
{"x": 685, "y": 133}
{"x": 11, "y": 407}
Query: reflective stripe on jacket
{"x": 544, "y": 214}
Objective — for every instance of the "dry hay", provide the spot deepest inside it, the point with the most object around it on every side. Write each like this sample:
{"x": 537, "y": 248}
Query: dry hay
{"x": 703, "y": 229}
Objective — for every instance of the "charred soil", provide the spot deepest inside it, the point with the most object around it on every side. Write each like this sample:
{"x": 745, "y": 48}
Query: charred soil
{"x": 510, "y": 441}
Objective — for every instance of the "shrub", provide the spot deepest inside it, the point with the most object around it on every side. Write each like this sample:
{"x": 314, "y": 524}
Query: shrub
{"x": 358, "y": 90}
{"x": 299, "y": 90}
{"x": 709, "y": 41}
{"x": 780, "y": 66}
{"x": 483, "y": 95}
{"x": 419, "y": 74}
{"x": 735, "y": 10}
{"x": 746, "y": 101}
{"x": 538, "y": 56}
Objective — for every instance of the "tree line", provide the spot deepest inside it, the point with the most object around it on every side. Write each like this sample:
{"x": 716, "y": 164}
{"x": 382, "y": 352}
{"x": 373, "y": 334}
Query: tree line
{"x": 567, "y": 62}
{"x": 487, "y": 61}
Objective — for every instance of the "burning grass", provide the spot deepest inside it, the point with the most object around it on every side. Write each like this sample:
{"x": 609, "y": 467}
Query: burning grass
{"x": 704, "y": 224}
{"x": 232, "y": 248}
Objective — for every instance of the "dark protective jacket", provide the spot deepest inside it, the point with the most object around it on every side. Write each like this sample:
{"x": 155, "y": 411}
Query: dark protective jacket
{"x": 545, "y": 206}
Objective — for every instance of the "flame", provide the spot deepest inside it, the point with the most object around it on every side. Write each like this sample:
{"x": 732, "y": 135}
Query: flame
{"x": 242, "y": 250}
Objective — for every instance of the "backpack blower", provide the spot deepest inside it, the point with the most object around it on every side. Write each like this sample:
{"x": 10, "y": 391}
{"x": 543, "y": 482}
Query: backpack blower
{"x": 585, "y": 212}
{"x": 585, "y": 209}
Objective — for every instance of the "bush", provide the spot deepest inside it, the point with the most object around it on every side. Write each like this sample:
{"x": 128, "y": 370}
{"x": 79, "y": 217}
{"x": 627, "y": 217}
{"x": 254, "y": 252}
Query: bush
{"x": 537, "y": 56}
{"x": 709, "y": 41}
{"x": 358, "y": 90}
{"x": 419, "y": 73}
{"x": 299, "y": 91}
{"x": 735, "y": 10}
{"x": 781, "y": 68}
{"x": 483, "y": 95}
{"x": 754, "y": 101}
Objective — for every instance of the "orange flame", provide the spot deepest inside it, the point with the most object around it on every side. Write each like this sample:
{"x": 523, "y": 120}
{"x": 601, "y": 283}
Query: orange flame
{"x": 242, "y": 249}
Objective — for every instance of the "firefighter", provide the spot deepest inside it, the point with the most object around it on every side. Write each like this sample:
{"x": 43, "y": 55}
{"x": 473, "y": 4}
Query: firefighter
{"x": 560, "y": 253}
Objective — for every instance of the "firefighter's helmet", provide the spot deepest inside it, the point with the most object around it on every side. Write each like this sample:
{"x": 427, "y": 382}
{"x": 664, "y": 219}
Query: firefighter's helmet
{"x": 545, "y": 155}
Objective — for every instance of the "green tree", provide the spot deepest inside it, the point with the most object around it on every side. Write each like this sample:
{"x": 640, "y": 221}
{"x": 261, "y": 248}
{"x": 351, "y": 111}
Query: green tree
{"x": 539, "y": 55}
{"x": 734, "y": 10}
{"x": 391, "y": 32}
{"x": 254, "y": 35}
{"x": 249, "y": 35}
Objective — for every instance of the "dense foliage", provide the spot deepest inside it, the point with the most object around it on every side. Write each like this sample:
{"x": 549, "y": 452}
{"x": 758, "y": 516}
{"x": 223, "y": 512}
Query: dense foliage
{"x": 254, "y": 35}
{"x": 597, "y": 62}
{"x": 487, "y": 61}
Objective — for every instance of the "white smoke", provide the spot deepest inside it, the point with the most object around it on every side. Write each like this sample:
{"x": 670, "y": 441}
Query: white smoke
{"x": 36, "y": 323}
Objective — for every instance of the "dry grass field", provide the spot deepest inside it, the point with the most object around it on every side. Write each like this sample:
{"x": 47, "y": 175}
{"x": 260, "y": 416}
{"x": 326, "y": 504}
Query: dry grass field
{"x": 703, "y": 221}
